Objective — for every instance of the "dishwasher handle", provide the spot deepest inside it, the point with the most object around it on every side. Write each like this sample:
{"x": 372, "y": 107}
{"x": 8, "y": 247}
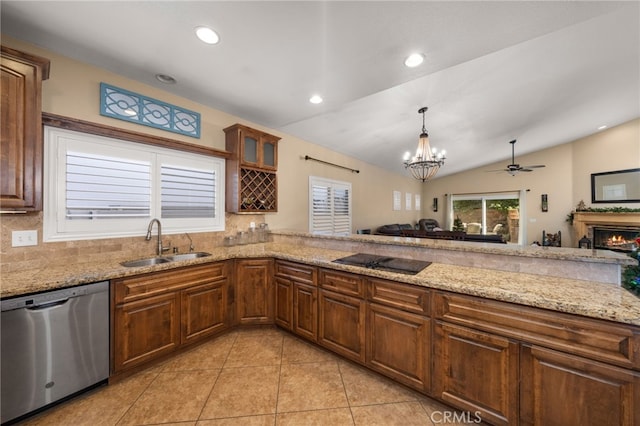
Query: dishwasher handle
{"x": 48, "y": 305}
{"x": 52, "y": 298}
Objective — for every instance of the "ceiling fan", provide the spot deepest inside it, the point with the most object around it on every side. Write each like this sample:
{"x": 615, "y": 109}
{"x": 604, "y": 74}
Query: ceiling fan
{"x": 513, "y": 168}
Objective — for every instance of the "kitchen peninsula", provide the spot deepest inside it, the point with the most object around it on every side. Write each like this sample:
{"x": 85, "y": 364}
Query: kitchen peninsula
{"x": 501, "y": 342}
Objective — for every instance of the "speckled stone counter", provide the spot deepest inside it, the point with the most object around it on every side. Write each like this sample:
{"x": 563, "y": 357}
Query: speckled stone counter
{"x": 591, "y": 265}
{"x": 580, "y": 297}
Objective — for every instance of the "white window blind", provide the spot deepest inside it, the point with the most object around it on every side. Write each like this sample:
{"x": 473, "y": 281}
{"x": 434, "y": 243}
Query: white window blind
{"x": 187, "y": 192}
{"x": 329, "y": 206}
{"x": 99, "y": 187}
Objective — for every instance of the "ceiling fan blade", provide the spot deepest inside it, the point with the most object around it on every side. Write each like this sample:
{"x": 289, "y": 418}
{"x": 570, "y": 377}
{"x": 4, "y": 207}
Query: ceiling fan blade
{"x": 537, "y": 166}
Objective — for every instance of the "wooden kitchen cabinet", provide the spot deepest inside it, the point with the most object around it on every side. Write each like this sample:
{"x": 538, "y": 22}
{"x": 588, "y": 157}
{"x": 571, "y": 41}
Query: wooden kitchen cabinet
{"x": 297, "y": 298}
{"x": 341, "y": 314}
{"x": 305, "y": 311}
{"x": 255, "y": 148}
{"x": 284, "y": 303}
{"x": 399, "y": 345}
{"x": 21, "y": 130}
{"x": 254, "y": 292}
{"x": 145, "y": 330}
{"x": 476, "y": 372}
{"x": 398, "y": 335}
{"x": 563, "y": 389}
{"x": 203, "y": 310}
{"x": 565, "y": 369}
{"x": 251, "y": 170}
{"x": 159, "y": 313}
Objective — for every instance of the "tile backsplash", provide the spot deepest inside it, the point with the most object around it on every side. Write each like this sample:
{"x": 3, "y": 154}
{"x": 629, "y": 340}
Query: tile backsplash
{"x": 43, "y": 254}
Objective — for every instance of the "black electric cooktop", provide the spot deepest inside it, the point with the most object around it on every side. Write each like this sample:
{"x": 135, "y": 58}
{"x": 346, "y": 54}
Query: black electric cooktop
{"x": 385, "y": 263}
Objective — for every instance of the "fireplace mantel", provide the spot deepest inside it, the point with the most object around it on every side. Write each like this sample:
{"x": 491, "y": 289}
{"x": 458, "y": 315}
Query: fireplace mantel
{"x": 583, "y": 221}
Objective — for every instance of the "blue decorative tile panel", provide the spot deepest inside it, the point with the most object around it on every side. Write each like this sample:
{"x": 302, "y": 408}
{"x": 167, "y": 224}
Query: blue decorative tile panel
{"x": 124, "y": 105}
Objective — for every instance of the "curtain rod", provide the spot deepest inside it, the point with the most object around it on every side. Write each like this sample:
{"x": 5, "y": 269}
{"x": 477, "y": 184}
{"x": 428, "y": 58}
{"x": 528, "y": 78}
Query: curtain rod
{"x": 306, "y": 157}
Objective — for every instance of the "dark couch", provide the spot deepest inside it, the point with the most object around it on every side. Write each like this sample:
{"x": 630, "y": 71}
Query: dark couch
{"x": 454, "y": 235}
{"x": 394, "y": 229}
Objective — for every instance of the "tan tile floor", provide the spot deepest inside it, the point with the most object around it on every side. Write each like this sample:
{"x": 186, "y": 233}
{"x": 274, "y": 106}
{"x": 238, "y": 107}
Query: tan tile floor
{"x": 250, "y": 377}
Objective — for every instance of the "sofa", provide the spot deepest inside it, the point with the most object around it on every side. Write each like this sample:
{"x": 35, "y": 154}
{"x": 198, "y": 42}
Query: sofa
{"x": 454, "y": 235}
{"x": 429, "y": 228}
{"x": 394, "y": 229}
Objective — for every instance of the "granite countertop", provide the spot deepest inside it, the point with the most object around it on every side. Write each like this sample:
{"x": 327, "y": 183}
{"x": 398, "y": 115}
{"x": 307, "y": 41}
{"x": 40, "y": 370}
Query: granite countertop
{"x": 559, "y": 253}
{"x": 590, "y": 299}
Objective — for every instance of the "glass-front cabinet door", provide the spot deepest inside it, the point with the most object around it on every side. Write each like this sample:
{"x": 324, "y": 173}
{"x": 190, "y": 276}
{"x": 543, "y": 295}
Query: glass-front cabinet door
{"x": 259, "y": 150}
{"x": 269, "y": 154}
{"x": 250, "y": 150}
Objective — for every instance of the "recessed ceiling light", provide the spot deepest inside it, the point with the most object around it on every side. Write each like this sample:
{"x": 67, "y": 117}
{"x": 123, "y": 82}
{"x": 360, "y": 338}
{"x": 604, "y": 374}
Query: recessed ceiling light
{"x": 315, "y": 99}
{"x": 166, "y": 79}
{"x": 414, "y": 60}
{"x": 602, "y": 127}
{"x": 207, "y": 35}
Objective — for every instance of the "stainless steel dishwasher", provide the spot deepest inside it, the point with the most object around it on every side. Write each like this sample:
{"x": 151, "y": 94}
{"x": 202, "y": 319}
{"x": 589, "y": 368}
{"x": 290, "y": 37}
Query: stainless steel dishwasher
{"x": 54, "y": 345}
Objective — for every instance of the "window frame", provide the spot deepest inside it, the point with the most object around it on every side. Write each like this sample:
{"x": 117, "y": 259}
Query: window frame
{"x": 56, "y": 228}
{"x": 488, "y": 196}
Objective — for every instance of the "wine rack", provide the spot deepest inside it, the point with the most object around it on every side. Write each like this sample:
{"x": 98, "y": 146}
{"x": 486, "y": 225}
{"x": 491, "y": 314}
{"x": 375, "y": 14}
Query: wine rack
{"x": 258, "y": 191}
{"x": 252, "y": 185}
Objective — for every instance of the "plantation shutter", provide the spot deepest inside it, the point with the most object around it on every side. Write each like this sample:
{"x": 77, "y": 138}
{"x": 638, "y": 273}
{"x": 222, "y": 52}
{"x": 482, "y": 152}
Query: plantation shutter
{"x": 99, "y": 186}
{"x": 330, "y": 206}
{"x": 187, "y": 193}
{"x": 341, "y": 209}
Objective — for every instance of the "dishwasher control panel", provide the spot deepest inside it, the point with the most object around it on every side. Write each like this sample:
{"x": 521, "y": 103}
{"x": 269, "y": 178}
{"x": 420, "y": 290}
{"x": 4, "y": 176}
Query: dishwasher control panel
{"x": 48, "y": 297}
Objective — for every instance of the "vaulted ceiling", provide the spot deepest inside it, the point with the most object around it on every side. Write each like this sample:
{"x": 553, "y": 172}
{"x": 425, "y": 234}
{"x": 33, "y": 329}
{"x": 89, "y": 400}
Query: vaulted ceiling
{"x": 542, "y": 72}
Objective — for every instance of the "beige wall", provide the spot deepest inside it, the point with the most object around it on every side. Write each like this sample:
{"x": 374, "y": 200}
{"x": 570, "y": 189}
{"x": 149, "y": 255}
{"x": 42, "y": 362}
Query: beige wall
{"x": 566, "y": 178}
{"x": 72, "y": 90}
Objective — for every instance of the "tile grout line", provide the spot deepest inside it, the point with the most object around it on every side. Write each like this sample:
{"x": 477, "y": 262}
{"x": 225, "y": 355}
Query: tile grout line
{"x": 235, "y": 338}
{"x": 346, "y": 395}
{"x": 275, "y": 417}
{"x": 122, "y": 417}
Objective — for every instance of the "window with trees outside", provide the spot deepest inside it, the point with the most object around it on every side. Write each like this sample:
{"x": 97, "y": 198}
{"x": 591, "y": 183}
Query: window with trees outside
{"x": 493, "y": 213}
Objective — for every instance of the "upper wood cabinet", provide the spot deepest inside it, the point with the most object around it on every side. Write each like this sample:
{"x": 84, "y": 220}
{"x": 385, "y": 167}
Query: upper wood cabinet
{"x": 251, "y": 170}
{"x": 254, "y": 148}
{"x": 21, "y": 130}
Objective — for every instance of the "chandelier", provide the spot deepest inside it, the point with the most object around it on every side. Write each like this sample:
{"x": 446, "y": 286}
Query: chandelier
{"x": 427, "y": 161}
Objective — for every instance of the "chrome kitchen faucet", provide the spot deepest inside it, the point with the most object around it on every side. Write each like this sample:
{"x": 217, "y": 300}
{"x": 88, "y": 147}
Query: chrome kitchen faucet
{"x": 160, "y": 248}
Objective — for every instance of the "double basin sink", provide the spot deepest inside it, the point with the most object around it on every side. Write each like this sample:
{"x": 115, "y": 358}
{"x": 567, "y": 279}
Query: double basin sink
{"x": 164, "y": 259}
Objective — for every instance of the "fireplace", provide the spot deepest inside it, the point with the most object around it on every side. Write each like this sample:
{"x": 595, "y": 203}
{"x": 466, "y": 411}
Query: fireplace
{"x": 584, "y": 223}
{"x": 617, "y": 238}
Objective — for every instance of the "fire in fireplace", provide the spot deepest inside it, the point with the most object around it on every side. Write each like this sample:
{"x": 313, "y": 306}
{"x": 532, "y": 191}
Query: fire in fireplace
{"x": 615, "y": 238}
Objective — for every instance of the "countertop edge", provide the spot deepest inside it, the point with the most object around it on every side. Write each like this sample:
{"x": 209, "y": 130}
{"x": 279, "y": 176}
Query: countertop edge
{"x": 613, "y": 303}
